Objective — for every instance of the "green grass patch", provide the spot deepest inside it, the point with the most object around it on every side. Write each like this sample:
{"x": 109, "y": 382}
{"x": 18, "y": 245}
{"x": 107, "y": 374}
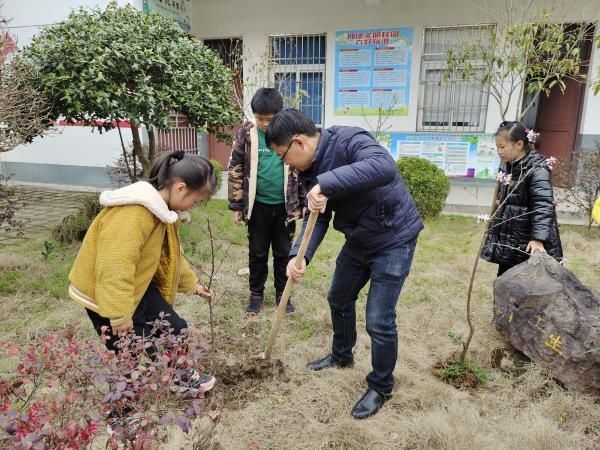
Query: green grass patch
{"x": 11, "y": 280}
{"x": 461, "y": 375}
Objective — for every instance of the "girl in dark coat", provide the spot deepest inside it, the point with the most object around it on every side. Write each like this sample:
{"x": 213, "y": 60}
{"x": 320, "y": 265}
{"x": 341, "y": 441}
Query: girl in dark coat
{"x": 525, "y": 218}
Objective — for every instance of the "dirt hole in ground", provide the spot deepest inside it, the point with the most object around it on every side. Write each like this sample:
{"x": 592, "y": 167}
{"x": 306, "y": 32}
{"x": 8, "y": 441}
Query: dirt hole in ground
{"x": 241, "y": 380}
{"x": 255, "y": 369}
{"x": 241, "y": 371}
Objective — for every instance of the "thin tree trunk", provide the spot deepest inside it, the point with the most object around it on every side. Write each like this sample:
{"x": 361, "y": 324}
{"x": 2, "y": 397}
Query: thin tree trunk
{"x": 210, "y": 281}
{"x": 138, "y": 149}
{"x": 520, "y": 110}
{"x": 467, "y": 343}
{"x": 129, "y": 174}
{"x": 151, "y": 145}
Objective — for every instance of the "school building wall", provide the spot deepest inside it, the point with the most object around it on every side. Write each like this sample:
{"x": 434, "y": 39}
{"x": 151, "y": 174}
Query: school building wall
{"x": 254, "y": 21}
{"x": 76, "y": 155}
{"x": 70, "y": 155}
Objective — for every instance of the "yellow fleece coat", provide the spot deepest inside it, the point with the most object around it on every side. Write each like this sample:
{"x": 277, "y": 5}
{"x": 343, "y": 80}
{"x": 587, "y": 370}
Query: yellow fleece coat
{"x": 596, "y": 211}
{"x": 132, "y": 242}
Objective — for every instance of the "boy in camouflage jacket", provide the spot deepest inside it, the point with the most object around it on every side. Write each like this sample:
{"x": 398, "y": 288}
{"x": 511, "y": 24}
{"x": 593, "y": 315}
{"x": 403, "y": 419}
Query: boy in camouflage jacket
{"x": 263, "y": 193}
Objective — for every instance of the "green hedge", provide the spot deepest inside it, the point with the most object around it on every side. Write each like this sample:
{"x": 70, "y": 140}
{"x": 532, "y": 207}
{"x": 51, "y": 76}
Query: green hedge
{"x": 427, "y": 184}
{"x": 218, "y": 171}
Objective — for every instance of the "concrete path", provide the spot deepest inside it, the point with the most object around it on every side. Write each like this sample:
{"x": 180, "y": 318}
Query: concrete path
{"x": 42, "y": 208}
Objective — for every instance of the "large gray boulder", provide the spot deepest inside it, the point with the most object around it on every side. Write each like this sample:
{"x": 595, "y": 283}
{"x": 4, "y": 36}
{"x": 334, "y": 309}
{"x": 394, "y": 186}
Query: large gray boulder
{"x": 544, "y": 311}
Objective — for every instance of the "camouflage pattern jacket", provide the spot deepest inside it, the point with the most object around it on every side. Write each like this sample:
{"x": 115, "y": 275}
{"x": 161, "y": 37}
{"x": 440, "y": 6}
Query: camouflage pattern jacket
{"x": 243, "y": 174}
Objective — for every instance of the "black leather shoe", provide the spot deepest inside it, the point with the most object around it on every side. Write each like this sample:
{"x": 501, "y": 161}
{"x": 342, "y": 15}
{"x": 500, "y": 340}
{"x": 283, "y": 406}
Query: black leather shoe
{"x": 369, "y": 404}
{"x": 327, "y": 362}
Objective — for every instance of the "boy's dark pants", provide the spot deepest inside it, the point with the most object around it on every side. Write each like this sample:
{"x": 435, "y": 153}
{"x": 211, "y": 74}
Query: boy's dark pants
{"x": 149, "y": 309}
{"x": 268, "y": 227}
{"x": 387, "y": 271}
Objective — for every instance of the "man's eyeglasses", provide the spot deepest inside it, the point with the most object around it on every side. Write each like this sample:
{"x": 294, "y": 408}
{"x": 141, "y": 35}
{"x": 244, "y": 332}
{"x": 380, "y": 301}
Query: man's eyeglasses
{"x": 282, "y": 156}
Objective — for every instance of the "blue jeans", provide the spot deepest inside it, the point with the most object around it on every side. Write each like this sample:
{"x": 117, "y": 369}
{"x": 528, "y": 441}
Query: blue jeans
{"x": 387, "y": 271}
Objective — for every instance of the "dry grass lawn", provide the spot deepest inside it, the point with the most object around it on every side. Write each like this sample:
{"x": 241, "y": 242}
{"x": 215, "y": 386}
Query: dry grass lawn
{"x": 295, "y": 408}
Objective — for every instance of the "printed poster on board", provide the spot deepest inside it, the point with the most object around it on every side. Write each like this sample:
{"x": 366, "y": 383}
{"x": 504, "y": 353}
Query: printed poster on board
{"x": 178, "y": 10}
{"x": 458, "y": 155}
{"x": 372, "y": 71}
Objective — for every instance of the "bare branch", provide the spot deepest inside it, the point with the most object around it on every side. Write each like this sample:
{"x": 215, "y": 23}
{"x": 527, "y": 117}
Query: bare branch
{"x": 23, "y": 110}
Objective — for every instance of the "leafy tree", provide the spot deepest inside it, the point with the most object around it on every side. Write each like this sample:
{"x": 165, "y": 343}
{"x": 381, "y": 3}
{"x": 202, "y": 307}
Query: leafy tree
{"x": 530, "y": 51}
{"x": 596, "y": 82}
{"x": 105, "y": 67}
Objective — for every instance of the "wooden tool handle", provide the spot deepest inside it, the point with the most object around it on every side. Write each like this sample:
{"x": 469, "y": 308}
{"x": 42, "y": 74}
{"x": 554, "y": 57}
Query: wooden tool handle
{"x": 289, "y": 285}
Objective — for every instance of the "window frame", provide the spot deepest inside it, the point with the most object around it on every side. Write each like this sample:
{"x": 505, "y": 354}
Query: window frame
{"x": 300, "y": 68}
{"x": 454, "y": 86}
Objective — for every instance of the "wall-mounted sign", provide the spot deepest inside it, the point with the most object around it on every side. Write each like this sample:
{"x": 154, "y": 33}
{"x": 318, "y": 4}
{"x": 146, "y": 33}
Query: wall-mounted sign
{"x": 372, "y": 71}
{"x": 178, "y": 10}
{"x": 458, "y": 155}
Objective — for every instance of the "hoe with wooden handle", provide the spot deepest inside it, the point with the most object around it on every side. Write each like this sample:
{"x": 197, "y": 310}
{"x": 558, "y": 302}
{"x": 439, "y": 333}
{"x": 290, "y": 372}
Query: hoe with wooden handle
{"x": 289, "y": 285}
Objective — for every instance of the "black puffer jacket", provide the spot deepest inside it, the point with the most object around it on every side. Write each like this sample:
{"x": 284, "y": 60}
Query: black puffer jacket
{"x": 527, "y": 214}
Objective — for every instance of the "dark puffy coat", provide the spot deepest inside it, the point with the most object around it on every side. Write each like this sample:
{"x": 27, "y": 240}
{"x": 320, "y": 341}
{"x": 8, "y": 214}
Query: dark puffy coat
{"x": 370, "y": 202}
{"x": 526, "y": 213}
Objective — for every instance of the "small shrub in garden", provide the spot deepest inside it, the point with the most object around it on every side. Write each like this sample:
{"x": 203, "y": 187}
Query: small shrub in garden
{"x": 580, "y": 178}
{"x": 73, "y": 227}
{"x": 122, "y": 172}
{"x": 462, "y": 376}
{"x": 427, "y": 184}
{"x": 64, "y": 392}
{"x": 218, "y": 171}
{"x": 9, "y": 205}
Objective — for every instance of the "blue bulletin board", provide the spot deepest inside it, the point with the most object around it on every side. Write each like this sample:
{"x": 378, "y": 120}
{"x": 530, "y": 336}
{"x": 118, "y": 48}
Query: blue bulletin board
{"x": 458, "y": 155}
{"x": 372, "y": 70}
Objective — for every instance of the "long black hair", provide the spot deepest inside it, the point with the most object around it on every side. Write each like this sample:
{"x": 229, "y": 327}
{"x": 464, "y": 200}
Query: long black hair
{"x": 516, "y": 132}
{"x": 195, "y": 171}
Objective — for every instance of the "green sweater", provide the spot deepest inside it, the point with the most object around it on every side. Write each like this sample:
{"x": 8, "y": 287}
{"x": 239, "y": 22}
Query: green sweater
{"x": 269, "y": 184}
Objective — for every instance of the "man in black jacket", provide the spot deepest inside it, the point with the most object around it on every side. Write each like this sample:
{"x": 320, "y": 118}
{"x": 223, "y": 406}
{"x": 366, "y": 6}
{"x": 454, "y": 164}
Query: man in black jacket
{"x": 349, "y": 173}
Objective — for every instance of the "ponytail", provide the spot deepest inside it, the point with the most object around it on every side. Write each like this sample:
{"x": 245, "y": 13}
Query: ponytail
{"x": 516, "y": 132}
{"x": 195, "y": 171}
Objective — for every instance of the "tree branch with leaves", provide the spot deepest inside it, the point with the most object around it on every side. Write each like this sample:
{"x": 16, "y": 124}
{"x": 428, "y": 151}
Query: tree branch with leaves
{"x": 529, "y": 51}
{"x": 105, "y": 67}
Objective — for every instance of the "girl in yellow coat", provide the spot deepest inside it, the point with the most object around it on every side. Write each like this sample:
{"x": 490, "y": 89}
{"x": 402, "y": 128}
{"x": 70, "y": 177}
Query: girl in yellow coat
{"x": 130, "y": 265}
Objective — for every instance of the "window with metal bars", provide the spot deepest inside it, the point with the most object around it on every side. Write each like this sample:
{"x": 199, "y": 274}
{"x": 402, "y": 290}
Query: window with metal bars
{"x": 297, "y": 70}
{"x": 454, "y": 104}
{"x": 230, "y": 50}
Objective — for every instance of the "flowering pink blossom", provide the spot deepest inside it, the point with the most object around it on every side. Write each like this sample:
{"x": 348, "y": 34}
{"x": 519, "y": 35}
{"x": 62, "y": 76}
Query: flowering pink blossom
{"x": 551, "y": 162}
{"x": 532, "y": 135}
{"x": 485, "y": 218}
{"x": 504, "y": 178}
